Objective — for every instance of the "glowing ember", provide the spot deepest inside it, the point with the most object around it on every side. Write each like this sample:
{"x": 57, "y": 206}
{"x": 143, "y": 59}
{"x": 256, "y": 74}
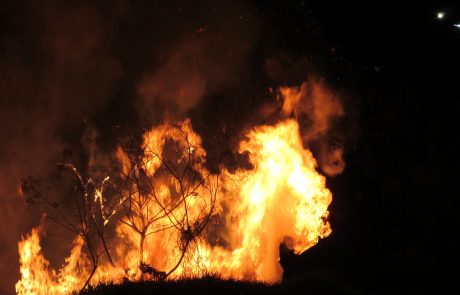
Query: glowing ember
{"x": 169, "y": 198}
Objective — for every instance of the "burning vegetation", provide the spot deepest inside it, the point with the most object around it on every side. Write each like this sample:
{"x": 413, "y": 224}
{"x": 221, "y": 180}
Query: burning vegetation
{"x": 164, "y": 215}
{"x": 193, "y": 144}
{"x": 188, "y": 142}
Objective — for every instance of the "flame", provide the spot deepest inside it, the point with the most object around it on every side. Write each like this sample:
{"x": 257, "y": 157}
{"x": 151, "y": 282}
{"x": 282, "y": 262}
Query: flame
{"x": 282, "y": 199}
{"x": 37, "y": 277}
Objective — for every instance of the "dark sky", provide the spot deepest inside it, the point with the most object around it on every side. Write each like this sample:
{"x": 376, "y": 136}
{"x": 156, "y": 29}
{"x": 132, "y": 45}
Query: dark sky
{"x": 401, "y": 185}
{"x": 69, "y": 67}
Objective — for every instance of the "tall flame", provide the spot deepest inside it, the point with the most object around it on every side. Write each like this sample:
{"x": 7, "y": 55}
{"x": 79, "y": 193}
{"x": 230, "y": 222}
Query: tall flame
{"x": 282, "y": 199}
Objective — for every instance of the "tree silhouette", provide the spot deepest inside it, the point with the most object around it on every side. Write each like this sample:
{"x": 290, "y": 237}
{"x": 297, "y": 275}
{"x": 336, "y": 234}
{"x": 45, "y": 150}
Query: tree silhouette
{"x": 88, "y": 216}
{"x": 167, "y": 188}
{"x": 159, "y": 187}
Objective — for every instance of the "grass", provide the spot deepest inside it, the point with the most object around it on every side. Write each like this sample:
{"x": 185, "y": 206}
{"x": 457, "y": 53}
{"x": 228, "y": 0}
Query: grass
{"x": 305, "y": 284}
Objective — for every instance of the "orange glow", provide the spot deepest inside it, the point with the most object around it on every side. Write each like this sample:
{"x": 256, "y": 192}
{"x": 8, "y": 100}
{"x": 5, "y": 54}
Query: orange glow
{"x": 282, "y": 199}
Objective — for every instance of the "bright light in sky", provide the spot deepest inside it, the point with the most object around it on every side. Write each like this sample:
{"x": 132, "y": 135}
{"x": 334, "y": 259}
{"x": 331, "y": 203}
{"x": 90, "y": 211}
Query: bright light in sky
{"x": 457, "y": 25}
{"x": 440, "y": 15}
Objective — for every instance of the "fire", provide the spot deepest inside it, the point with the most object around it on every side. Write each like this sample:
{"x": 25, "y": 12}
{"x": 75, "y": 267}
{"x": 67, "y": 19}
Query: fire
{"x": 282, "y": 199}
{"x": 176, "y": 219}
{"x": 37, "y": 277}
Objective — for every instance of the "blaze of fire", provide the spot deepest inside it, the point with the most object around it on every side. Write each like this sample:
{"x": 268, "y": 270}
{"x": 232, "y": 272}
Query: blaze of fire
{"x": 282, "y": 199}
{"x": 37, "y": 277}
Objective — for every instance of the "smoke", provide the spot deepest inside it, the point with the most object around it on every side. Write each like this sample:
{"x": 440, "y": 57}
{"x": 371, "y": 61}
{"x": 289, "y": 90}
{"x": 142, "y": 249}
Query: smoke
{"x": 318, "y": 110}
{"x": 208, "y": 52}
{"x": 56, "y": 68}
{"x": 178, "y": 86}
{"x": 78, "y": 76}
{"x": 64, "y": 63}
{"x": 33, "y": 152}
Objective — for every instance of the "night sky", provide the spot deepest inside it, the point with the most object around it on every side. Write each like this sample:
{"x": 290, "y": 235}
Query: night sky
{"x": 66, "y": 68}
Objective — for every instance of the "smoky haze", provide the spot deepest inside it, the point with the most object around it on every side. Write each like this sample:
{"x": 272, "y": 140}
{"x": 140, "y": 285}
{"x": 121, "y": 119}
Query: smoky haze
{"x": 77, "y": 77}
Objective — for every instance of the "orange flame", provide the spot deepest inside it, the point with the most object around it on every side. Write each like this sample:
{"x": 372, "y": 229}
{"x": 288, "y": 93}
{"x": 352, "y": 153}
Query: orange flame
{"x": 37, "y": 277}
{"x": 282, "y": 199}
